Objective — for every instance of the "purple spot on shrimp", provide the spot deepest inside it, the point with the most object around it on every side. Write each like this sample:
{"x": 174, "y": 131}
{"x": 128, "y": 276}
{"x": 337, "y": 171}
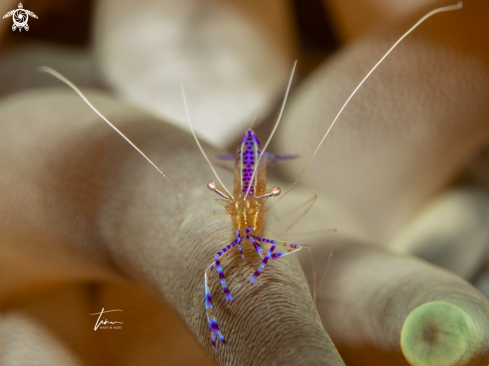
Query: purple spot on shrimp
{"x": 214, "y": 327}
{"x": 277, "y": 255}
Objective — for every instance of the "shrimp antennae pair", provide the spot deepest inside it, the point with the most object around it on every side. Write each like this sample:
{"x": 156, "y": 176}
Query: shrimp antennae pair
{"x": 85, "y": 99}
{"x": 264, "y": 147}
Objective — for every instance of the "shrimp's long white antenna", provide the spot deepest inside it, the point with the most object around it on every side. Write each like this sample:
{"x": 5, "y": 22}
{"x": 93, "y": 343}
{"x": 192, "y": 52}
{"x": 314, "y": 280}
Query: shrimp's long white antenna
{"x": 439, "y": 10}
{"x": 274, "y": 128}
{"x": 78, "y": 91}
{"x": 200, "y": 146}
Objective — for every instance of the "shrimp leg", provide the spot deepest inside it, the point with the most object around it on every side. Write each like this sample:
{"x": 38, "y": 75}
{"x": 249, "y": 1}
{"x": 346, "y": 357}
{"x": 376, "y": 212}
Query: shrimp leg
{"x": 211, "y": 318}
{"x": 227, "y": 293}
{"x": 257, "y": 246}
{"x": 209, "y": 312}
{"x": 271, "y": 255}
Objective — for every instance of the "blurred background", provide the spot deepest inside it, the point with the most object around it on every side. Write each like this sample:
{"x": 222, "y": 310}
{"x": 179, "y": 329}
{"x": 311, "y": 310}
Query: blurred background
{"x": 234, "y": 58}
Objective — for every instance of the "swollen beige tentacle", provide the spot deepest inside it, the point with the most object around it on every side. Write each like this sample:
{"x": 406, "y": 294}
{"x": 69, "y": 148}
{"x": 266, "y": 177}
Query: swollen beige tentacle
{"x": 97, "y": 206}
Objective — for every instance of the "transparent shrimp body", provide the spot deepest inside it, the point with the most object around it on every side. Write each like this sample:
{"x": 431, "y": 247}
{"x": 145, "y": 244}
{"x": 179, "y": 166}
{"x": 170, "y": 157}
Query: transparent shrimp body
{"x": 247, "y": 210}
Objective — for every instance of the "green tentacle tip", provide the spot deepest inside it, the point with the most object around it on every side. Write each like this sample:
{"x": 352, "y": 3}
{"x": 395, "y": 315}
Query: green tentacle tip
{"x": 437, "y": 333}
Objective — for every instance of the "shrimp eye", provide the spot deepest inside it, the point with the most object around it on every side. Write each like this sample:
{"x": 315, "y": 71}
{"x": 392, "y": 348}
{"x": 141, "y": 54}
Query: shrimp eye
{"x": 276, "y": 191}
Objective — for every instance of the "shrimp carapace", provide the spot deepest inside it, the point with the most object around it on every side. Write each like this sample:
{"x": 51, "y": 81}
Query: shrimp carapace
{"x": 248, "y": 210}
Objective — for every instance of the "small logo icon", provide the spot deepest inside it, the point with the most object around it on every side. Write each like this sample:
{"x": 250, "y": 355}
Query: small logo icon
{"x": 103, "y": 323}
{"x": 20, "y": 17}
